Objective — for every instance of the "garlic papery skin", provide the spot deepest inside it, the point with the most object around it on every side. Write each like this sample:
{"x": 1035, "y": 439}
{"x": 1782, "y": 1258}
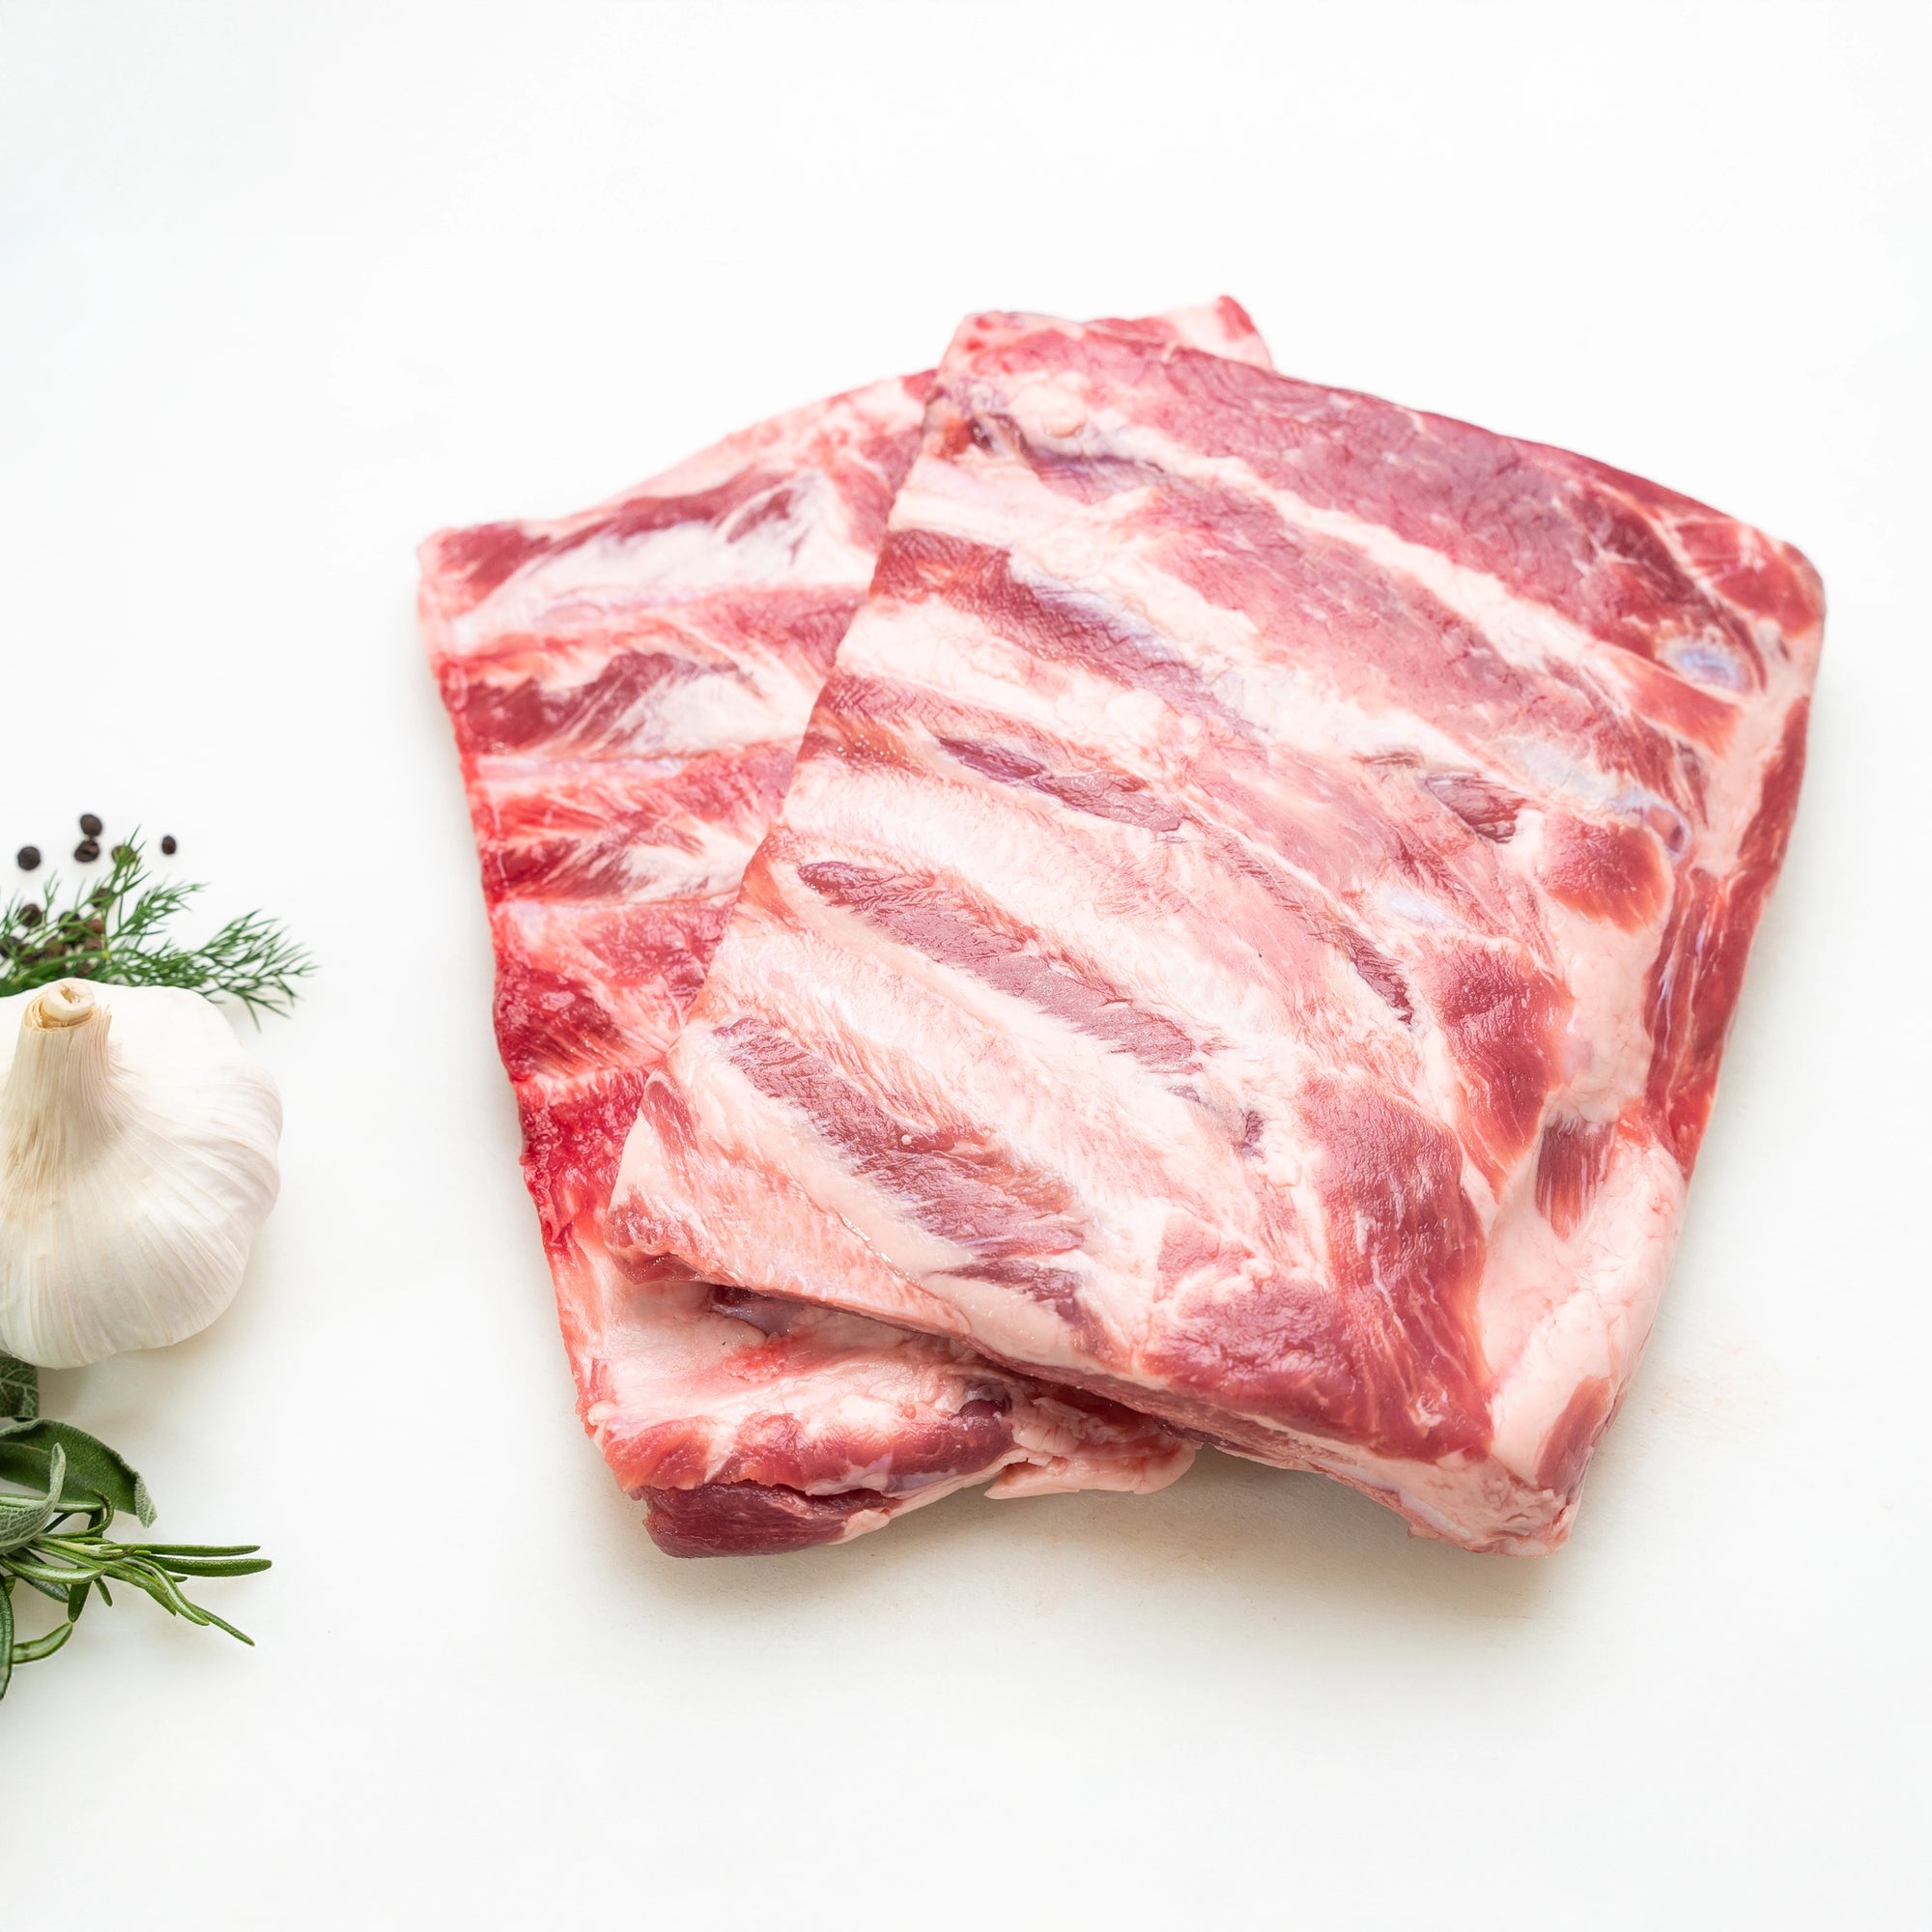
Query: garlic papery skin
{"x": 137, "y": 1160}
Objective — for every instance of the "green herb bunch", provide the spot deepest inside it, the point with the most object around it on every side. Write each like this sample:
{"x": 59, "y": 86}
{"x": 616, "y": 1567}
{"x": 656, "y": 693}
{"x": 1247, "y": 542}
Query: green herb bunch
{"x": 60, "y": 1488}
{"x": 114, "y": 930}
{"x": 53, "y": 1536}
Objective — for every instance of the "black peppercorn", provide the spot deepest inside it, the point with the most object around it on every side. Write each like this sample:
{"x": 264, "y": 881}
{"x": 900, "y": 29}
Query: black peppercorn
{"x": 87, "y": 851}
{"x": 27, "y": 858}
{"x": 169, "y": 846}
{"x": 121, "y": 852}
{"x": 29, "y": 914}
{"x": 90, "y": 824}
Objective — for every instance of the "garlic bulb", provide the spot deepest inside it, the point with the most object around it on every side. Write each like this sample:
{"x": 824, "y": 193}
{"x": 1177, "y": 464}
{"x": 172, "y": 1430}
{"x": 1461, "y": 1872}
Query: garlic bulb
{"x": 137, "y": 1159}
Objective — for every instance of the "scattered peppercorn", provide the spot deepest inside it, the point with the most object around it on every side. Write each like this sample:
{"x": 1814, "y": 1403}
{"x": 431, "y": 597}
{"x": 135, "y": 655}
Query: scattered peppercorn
{"x": 100, "y": 896}
{"x": 29, "y": 914}
{"x": 120, "y": 853}
{"x": 27, "y": 858}
{"x": 169, "y": 846}
{"x": 90, "y": 824}
{"x": 87, "y": 851}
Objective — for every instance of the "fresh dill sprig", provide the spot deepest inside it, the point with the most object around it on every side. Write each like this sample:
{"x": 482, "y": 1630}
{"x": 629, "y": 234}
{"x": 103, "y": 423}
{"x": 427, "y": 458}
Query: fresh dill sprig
{"x": 114, "y": 931}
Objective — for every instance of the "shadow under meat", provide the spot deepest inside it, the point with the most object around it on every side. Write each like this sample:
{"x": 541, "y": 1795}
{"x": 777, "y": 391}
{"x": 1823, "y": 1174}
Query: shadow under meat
{"x": 1234, "y": 1538}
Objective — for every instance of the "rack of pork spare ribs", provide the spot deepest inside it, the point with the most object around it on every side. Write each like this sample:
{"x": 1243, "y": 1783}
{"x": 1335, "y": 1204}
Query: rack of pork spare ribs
{"x": 1105, "y": 900}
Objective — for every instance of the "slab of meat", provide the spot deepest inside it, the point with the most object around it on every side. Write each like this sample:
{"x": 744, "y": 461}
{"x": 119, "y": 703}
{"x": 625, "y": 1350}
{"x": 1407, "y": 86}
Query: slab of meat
{"x": 1255, "y": 920}
{"x": 628, "y": 688}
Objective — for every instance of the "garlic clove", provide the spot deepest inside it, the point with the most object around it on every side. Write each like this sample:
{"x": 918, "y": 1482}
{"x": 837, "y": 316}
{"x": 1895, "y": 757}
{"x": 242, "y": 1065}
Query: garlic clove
{"x": 137, "y": 1160}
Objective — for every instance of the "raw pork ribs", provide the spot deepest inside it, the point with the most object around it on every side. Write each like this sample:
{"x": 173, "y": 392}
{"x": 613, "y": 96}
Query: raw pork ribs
{"x": 628, "y": 688}
{"x": 1254, "y": 923}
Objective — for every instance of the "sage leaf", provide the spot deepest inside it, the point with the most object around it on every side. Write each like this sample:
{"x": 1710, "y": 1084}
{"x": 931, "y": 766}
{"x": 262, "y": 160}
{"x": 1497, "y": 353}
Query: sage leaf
{"x": 24, "y": 1522}
{"x": 93, "y": 1468}
{"x": 19, "y": 1390}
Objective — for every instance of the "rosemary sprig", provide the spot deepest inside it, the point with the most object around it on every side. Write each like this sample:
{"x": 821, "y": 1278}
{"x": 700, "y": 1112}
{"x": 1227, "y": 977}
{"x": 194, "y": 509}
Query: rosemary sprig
{"x": 113, "y": 931}
{"x": 53, "y": 1529}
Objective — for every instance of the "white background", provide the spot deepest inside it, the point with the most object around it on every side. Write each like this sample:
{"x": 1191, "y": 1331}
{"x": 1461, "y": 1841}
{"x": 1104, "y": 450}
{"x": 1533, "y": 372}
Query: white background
{"x": 282, "y": 287}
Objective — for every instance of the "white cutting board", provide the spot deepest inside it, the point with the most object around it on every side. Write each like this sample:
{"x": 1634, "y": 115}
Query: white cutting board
{"x": 283, "y": 287}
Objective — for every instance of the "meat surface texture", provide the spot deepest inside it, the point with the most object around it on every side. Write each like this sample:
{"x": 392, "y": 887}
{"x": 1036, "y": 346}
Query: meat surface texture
{"x": 628, "y": 688}
{"x": 1254, "y": 923}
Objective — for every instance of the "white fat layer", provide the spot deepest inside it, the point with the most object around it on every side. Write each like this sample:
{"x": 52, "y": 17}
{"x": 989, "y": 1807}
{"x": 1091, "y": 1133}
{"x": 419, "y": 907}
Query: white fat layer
{"x": 685, "y": 561}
